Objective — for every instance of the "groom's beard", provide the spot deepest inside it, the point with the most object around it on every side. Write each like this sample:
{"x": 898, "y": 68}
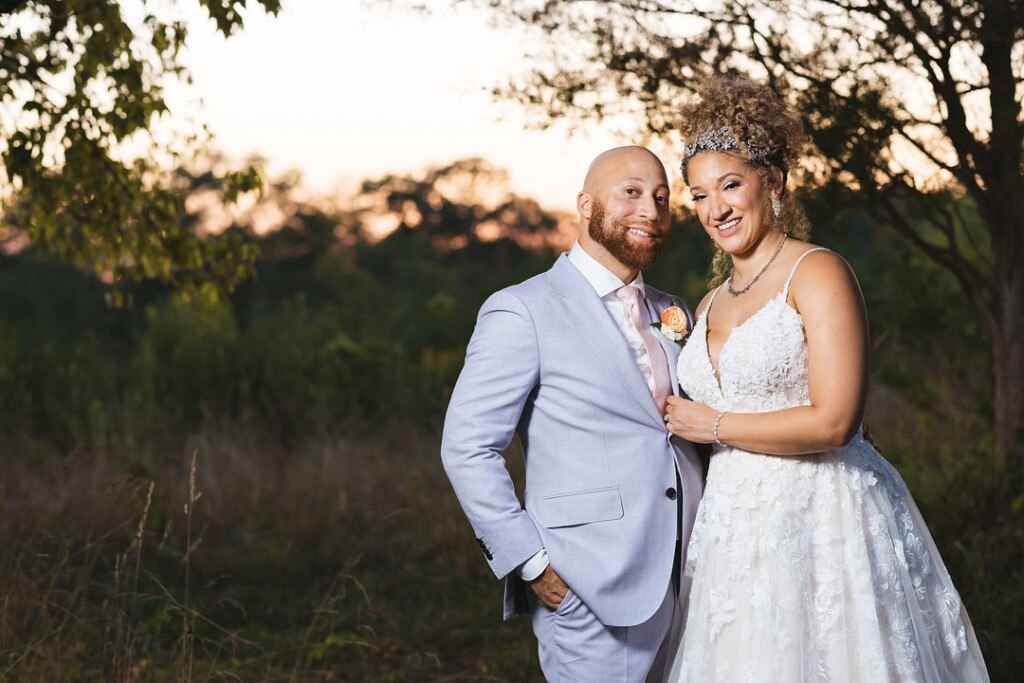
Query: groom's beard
{"x": 612, "y": 236}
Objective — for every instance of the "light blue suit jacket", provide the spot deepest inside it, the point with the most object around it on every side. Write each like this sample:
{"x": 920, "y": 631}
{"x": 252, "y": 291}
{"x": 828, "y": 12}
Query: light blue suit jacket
{"x": 546, "y": 360}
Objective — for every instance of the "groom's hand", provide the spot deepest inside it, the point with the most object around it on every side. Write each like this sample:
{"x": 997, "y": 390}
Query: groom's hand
{"x": 549, "y": 588}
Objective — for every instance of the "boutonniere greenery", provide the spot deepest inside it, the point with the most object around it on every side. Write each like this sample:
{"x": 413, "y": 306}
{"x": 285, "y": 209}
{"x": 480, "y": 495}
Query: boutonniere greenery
{"x": 674, "y": 323}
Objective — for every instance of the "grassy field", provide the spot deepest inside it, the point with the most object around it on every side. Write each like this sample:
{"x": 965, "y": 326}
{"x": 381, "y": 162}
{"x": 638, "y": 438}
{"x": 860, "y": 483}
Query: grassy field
{"x": 233, "y": 558}
{"x": 339, "y": 560}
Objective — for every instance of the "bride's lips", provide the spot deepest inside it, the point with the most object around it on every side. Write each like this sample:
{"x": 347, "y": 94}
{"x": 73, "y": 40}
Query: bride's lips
{"x": 728, "y": 228}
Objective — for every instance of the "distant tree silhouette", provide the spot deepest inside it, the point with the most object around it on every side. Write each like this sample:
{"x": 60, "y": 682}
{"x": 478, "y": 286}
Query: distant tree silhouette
{"x": 458, "y": 204}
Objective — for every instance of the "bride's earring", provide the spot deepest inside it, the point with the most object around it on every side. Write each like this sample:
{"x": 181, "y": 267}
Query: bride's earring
{"x": 776, "y": 205}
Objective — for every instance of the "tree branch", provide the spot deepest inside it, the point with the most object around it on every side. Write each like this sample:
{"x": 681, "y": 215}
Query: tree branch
{"x": 974, "y": 284}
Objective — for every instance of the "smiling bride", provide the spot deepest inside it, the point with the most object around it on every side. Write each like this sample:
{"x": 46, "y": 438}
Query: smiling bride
{"x": 809, "y": 558}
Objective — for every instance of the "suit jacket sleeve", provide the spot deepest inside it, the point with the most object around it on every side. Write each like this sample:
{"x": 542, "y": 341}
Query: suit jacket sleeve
{"x": 501, "y": 370}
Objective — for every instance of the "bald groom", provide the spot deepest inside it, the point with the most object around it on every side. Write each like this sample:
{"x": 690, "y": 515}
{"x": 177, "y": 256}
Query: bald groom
{"x": 569, "y": 361}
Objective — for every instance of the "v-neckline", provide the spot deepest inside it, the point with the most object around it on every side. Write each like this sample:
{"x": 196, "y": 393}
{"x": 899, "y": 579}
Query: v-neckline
{"x": 716, "y": 371}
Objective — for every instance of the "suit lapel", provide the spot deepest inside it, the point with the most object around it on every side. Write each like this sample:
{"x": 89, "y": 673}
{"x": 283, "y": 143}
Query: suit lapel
{"x": 586, "y": 314}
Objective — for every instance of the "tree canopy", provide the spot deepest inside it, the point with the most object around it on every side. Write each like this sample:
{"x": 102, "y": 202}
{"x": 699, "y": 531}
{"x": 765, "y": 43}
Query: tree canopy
{"x": 913, "y": 108}
{"x": 81, "y": 171}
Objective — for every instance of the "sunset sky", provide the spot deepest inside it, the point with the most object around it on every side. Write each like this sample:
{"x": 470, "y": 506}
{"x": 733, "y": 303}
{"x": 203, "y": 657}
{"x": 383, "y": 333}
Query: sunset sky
{"x": 344, "y": 91}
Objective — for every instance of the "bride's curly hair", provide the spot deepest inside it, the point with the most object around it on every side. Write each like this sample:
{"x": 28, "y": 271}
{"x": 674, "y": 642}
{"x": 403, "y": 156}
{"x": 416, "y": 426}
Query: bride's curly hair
{"x": 742, "y": 116}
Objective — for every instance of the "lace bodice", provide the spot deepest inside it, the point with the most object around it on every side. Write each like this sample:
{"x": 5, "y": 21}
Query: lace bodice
{"x": 762, "y": 365}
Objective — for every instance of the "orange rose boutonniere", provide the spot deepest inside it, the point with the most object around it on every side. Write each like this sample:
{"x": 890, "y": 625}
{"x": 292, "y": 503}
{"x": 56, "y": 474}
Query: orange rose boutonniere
{"x": 674, "y": 323}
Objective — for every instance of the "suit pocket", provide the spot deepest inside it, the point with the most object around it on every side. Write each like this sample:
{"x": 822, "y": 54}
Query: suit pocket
{"x": 583, "y": 507}
{"x": 569, "y": 601}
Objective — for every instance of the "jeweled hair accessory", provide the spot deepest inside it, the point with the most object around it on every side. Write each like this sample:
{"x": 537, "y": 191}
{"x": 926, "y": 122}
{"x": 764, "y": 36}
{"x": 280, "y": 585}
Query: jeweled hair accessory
{"x": 720, "y": 140}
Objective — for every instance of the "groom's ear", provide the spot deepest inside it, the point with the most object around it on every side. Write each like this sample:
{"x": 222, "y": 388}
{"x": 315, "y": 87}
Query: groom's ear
{"x": 584, "y": 203}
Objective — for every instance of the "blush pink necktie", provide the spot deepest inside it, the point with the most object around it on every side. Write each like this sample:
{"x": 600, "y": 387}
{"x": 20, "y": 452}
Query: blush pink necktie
{"x": 657, "y": 378}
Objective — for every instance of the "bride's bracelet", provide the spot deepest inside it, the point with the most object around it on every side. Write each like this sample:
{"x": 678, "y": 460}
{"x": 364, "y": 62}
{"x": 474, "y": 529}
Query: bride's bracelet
{"x": 718, "y": 421}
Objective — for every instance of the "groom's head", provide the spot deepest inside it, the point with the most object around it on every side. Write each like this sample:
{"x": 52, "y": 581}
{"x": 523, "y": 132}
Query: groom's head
{"x": 624, "y": 210}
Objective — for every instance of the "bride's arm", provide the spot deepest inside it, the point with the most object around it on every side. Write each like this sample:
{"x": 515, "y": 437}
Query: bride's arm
{"x": 825, "y": 292}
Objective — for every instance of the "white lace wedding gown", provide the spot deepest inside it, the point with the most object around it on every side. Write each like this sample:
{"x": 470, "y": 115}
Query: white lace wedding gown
{"x": 809, "y": 568}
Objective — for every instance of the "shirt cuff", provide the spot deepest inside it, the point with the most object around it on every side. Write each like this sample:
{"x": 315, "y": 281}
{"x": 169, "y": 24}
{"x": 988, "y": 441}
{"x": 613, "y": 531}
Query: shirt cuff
{"x": 533, "y": 567}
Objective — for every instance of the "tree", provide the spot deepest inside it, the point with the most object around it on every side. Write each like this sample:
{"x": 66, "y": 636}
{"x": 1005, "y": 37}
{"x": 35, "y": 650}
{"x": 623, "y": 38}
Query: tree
{"x": 913, "y": 107}
{"x": 81, "y": 85}
{"x": 456, "y": 234}
{"x": 460, "y": 204}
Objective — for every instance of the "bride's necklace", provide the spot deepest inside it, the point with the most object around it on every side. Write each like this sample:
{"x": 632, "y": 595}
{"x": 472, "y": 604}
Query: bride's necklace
{"x": 737, "y": 292}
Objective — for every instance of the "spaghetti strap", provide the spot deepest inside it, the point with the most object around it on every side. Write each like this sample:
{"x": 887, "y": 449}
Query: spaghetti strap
{"x": 785, "y": 289}
{"x": 711, "y": 301}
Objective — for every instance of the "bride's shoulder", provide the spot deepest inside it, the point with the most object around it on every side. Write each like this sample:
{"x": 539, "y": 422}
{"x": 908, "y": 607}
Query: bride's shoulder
{"x": 816, "y": 270}
{"x": 813, "y": 262}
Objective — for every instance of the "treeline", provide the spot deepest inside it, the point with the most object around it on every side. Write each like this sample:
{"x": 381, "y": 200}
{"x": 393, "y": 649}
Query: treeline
{"x": 340, "y": 326}
{"x": 337, "y": 327}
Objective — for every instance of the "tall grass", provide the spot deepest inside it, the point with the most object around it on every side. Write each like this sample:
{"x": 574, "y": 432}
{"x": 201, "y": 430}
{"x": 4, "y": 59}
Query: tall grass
{"x": 345, "y": 559}
{"x": 339, "y": 559}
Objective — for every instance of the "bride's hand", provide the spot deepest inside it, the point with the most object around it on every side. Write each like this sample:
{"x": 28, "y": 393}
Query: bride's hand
{"x": 691, "y": 421}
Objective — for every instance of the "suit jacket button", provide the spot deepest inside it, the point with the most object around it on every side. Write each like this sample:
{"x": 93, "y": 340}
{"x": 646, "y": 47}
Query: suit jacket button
{"x": 483, "y": 547}
{"x": 670, "y": 493}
